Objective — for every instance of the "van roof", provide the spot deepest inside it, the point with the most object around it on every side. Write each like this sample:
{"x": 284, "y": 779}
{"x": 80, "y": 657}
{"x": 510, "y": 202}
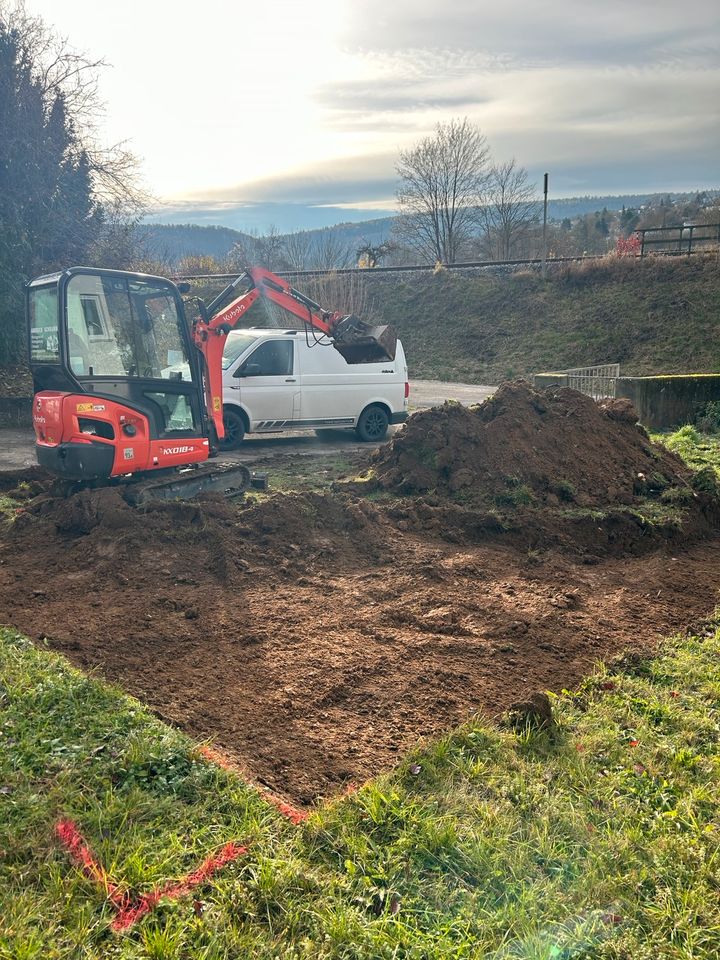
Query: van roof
{"x": 262, "y": 331}
{"x": 284, "y": 332}
{"x": 276, "y": 331}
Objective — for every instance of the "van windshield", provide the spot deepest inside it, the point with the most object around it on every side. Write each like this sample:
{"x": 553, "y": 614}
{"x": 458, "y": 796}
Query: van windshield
{"x": 237, "y": 343}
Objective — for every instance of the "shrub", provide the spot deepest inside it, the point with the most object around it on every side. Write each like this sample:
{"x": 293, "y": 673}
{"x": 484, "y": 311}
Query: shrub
{"x": 708, "y": 420}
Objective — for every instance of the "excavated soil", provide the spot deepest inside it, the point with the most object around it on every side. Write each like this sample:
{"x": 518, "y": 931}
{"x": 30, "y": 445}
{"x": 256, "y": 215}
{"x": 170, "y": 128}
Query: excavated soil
{"x": 317, "y": 637}
{"x": 556, "y": 445}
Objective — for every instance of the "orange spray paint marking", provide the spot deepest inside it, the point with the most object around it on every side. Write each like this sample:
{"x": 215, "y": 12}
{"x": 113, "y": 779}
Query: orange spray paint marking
{"x": 71, "y": 838}
{"x": 291, "y": 813}
{"x": 129, "y": 911}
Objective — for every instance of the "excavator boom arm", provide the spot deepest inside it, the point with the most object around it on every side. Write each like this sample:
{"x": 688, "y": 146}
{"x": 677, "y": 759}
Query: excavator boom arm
{"x": 355, "y": 339}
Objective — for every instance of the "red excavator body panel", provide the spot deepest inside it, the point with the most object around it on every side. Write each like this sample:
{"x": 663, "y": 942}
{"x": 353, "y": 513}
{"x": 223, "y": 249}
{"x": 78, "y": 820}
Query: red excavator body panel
{"x": 83, "y": 436}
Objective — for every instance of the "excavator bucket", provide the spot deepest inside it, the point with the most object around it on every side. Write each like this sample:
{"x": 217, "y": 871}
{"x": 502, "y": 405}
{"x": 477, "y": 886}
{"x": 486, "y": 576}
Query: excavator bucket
{"x": 360, "y": 342}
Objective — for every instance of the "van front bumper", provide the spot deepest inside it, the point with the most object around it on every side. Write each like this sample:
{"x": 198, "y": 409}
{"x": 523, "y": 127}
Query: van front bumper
{"x": 399, "y": 417}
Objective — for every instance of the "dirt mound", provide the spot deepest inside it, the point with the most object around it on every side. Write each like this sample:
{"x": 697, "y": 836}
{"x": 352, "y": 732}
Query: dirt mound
{"x": 316, "y": 636}
{"x": 523, "y": 445}
{"x": 23, "y": 484}
{"x": 287, "y": 533}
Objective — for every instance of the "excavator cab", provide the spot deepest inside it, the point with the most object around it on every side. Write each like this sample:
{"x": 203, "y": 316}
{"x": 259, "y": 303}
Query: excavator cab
{"x": 118, "y": 386}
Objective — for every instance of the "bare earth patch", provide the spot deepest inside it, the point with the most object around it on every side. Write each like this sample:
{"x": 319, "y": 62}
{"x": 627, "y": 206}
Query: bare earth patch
{"x": 316, "y": 637}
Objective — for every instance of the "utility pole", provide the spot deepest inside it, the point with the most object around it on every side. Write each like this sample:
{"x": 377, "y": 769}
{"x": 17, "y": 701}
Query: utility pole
{"x": 544, "y": 235}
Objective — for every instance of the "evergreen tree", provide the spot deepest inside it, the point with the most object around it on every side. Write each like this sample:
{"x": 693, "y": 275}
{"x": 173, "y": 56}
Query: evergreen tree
{"x": 50, "y": 216}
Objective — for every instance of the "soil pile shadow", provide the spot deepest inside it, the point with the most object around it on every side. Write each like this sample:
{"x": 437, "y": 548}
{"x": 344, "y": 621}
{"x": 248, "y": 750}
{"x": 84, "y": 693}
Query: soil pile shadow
{"x": 522, "y": 444}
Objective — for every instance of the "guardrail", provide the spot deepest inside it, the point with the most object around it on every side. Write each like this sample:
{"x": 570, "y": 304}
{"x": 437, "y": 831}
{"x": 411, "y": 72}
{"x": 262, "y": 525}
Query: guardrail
{"x": 407, "y": 268}
{"x": 683, "y": 238}
{"x": 597, "y": 381}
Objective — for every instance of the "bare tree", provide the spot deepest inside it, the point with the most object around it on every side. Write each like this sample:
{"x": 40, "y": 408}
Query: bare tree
{"x": 510, "y": 208}
{"x": 297, "y": 249}
{"x": 345, "y": 292}
{"x": 270, "y": 249}
{"x": 330, "y": 252}
{"x": 63, "y": 198}
{"x": 62, "y": 72}
{"x": 258, "y": 249}
{"x": 244, "y": 252}
{"x": 443, "y": 182}
{"x": 370, "y": 254}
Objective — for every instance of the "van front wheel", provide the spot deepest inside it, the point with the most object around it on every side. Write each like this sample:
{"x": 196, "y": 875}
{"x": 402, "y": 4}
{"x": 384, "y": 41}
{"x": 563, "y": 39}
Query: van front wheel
{"x": 234, "y": 430}
{"x": 372, "y": 425}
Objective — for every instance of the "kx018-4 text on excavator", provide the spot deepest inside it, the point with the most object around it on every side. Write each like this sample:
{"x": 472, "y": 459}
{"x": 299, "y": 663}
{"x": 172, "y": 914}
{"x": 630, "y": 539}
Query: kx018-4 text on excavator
{"x": 126, "y": 387}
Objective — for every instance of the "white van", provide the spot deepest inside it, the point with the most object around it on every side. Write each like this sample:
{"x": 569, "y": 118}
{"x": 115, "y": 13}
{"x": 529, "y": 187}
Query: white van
{"x": 276, "y": 380}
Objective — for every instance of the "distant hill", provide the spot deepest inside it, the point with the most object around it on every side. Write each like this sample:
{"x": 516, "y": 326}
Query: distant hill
{"x": 578, "y": 206}
{"x": 170, "y": 242}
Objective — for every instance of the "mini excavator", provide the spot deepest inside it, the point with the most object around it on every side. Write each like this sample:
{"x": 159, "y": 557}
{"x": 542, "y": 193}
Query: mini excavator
{"x": 128, "y": 388}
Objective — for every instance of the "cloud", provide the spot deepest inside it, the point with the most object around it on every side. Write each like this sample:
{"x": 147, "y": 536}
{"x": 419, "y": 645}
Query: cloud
{"x": 605, "y": 96}
{"x": 356, "y": 179}
{"x": 618, "y": 85}
{"x": 611, "y": 32}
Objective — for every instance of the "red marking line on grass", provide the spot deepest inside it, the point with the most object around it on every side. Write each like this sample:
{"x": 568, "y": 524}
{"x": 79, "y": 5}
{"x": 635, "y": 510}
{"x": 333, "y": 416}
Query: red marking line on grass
{"x": 295, "y": 816}
{"x": 291, "y": 813}
{"x": 129, "y": 911}
{"x": 71, "y": 838}
{"x": 132, "y": 912}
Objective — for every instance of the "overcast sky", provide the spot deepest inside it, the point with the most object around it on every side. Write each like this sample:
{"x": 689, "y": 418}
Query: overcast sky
{"x": 310, "y": 101}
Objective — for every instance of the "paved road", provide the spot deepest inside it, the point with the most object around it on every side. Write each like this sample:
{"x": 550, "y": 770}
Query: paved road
{"x": 430, "y": 393}
{"x": 16, "y": 446}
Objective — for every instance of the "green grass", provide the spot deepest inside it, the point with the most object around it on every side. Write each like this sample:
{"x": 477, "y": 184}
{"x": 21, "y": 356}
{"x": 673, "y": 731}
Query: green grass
{"x": 598, "y": 839}
{"x": 8, "y": 507}
{"x": 302, "y": 474}
{"x": 485, "y": 329}
{"x": 697, "y": 449}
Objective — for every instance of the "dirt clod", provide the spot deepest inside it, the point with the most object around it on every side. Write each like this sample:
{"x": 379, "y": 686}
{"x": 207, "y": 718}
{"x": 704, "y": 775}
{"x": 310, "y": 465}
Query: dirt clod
{"x": 535, "y": 713}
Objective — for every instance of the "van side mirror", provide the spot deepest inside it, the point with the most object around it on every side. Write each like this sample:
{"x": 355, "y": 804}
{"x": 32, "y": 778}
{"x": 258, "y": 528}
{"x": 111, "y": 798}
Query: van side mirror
{"x": 249, "y": 370}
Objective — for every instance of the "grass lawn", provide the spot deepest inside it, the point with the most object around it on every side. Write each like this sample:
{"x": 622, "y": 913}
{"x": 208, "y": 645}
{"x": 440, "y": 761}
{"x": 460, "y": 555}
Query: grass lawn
{"x": 598, "y": 839}
{"x": 697, "y": 449}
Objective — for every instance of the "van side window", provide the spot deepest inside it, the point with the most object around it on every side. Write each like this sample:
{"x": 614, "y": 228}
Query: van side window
{"x": 274, "y": 358}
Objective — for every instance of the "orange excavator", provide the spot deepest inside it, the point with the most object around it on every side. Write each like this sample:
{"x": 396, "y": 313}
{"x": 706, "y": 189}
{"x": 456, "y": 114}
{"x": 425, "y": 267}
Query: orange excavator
{"x": 127, "y": 388}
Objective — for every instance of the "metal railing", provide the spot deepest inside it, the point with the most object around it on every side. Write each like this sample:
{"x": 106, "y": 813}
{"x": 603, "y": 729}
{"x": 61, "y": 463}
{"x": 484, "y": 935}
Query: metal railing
{"x": 596, "y": 381}
{"x": 686, "y": 238}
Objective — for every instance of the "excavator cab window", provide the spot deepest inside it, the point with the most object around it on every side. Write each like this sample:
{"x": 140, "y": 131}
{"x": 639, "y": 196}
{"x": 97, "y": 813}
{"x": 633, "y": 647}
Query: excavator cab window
{"x": 44, "y": 332}
{"x": 122, "y": 327}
